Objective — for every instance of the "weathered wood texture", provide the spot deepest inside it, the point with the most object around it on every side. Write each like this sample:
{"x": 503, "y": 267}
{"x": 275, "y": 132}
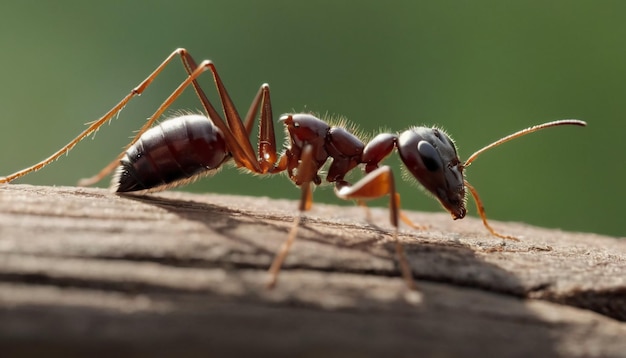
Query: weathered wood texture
{"x": 85, "y": 271}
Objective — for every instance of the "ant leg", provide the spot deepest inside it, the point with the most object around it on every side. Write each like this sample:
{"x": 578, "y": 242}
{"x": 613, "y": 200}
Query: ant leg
{"x": 405, "y": 219}
{"x": 237, "y": 132}
{"x": 483, "y": 215}
{"x": 240, "y": 145}
{"x": 368, "y": 212}
{"x": 266, "y": 150}
{"x": 376, "y": 184}
{"x": 191, "y": 79}
{"x": 93, "y": 126}
{"x": 305, "y": 174}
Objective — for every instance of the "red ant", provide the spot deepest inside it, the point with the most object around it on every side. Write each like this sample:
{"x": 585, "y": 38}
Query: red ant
{"x": 182, "y": 149}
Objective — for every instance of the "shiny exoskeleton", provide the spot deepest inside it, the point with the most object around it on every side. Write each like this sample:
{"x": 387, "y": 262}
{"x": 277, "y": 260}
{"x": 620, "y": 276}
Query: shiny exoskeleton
{"x": 171, "y": 154}
{"x": 184, "y": 148}
{"x": 431, "y": 157}
{"x": 428, "y": 153}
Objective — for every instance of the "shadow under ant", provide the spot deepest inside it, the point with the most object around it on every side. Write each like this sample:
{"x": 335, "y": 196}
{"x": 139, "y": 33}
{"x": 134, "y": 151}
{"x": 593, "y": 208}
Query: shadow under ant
{"x": 224, "y": 221}
{"x": 445, "y": 261}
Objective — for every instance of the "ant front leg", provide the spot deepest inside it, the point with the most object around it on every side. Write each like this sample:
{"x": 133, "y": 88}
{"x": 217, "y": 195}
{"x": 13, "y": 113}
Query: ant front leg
{"x": 483, "y": 215}
{"x": 376, "y": 184}
{"x": 305, "y": 175}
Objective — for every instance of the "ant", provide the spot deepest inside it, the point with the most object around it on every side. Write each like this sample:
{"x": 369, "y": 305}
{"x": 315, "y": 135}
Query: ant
{"x": 182, "y": 149}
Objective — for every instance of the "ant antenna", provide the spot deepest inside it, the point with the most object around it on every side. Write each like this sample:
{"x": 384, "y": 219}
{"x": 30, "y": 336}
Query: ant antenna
{"x": 474, "y": 192}
{"x": 522, "y": 133}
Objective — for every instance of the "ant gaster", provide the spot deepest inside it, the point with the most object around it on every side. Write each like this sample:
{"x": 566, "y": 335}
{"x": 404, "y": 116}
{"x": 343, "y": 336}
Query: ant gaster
{"x": 181, "y": 149}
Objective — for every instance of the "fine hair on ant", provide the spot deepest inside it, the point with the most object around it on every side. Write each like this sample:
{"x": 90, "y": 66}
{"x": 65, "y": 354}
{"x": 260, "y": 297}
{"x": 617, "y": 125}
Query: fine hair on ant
{"x": 181, "y": 149}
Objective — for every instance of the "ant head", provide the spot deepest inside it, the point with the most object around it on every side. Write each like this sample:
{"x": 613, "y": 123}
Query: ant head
{"x": 430, "y": 156}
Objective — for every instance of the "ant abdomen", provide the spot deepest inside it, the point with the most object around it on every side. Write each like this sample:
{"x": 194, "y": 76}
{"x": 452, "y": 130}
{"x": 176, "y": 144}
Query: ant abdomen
{"x": 172, "y": 153}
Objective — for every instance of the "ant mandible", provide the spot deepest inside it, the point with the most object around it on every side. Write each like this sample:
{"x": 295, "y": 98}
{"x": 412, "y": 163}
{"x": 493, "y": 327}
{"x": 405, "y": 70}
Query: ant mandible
{"x": 182, "y": 149}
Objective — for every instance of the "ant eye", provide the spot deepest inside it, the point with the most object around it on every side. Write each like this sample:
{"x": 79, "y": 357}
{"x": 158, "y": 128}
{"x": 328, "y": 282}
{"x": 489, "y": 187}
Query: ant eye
{"x": 429, "y": 155}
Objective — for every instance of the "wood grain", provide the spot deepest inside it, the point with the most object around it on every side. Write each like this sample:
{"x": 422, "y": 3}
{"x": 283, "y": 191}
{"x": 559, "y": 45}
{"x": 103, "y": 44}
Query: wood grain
{"x": 83, "y": 271}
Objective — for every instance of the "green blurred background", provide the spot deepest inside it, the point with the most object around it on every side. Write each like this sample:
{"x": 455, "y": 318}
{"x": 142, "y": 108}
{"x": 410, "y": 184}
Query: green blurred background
{"x": 479, "y": 69}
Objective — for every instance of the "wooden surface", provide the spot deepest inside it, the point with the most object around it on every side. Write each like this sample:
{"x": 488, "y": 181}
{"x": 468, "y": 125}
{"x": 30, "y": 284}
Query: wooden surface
{"x": 85, "y": 271}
